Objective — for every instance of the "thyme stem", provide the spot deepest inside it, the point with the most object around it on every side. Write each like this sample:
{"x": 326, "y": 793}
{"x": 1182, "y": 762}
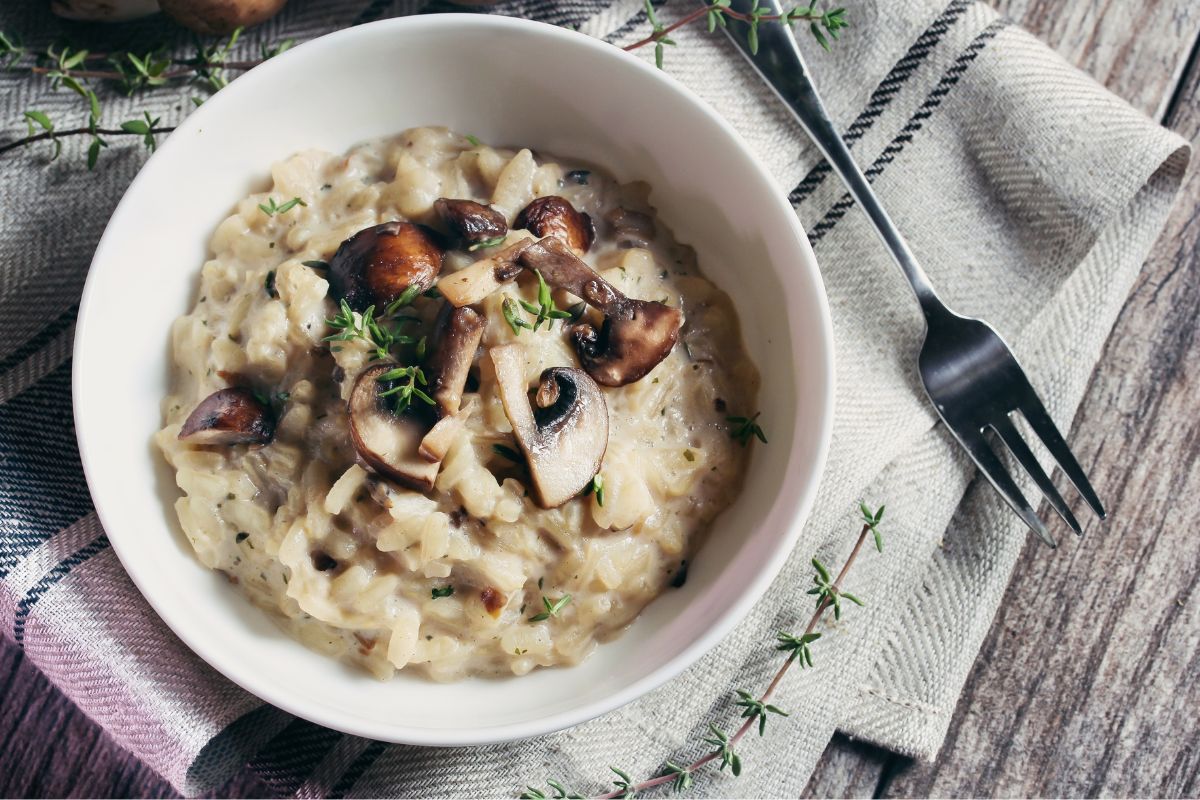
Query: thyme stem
{"x": 771, "y": 687}
{"x": 104, "y": 74}
{"x": 667, "y": 31}
{"x": 704, "y": 10}
{"x": 41, "y": 137}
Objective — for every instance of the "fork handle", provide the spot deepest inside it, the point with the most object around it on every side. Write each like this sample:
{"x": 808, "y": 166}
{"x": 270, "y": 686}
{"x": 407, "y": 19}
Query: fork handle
{"x": 781, "y": 65}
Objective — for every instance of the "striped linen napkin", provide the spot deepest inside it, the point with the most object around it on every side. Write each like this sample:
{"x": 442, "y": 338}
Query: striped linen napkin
{"x": 1030, "y": 194}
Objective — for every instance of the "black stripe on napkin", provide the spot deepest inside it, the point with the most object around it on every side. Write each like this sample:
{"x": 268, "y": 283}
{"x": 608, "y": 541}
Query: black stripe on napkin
{"x": 288, "y": 759}
{"x": 42, "y": 489}
{"x": 61, "y": 570}
{"x": 39, "y": 339}
{"x": 356, "y": 769}
{"x": 914, "y": 124}
{"x": 887, "y": 89}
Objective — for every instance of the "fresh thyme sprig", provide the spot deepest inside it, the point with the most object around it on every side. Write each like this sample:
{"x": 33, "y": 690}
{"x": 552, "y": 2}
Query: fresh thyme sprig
{"x": 146, "y": 128}
{"x": 271, "y": 209}
{"x": 70, "y": 68}
{"x": 544, "y": 311}
{"x": 559, "y": 792}
{"x": 352, "y": 325}
{"x": 755, "y": 710}
{"x": 797, "y": 646}
{"x": 403, "y": 382}
{"x": 823, "y": 25}
{"x": 46, "y": 130}
{"x": 827, "y": 592}
{"x": 871, "y": 520}
{"x": 729, "y": 758}
{"x": 404, "y": 393}
{"x": 746, "y": 428}
{"x": 495, "y": 240}
{"x": 210, "y": 64}
{"x": 623, "y": 782}
{"x": 552, "y": 608}
{"x": 597, "y": 487}
{"x": 11, "y": 50}
{"x": 512, "y": 315}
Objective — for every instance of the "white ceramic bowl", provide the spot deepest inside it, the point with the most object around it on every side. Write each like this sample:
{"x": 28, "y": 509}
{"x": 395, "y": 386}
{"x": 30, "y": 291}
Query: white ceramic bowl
{"x": 508, "y": 82}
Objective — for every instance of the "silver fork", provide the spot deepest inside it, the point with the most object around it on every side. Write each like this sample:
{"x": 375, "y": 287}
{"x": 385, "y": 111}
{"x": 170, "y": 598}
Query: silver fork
{"x": 969, "y": 373}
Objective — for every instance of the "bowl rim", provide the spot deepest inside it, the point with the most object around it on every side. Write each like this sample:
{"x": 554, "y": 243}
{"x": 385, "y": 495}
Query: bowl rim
{"x": 259, "y": 685}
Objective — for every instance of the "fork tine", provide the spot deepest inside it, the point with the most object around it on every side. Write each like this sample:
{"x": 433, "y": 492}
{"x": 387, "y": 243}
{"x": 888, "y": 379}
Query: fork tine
{"x": 995, "y": 472}
{"x": 1044, "y": 427}
{"x": 1011, "y": 437}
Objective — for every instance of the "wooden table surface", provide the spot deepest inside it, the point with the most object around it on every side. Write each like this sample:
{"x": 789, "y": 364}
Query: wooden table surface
{"x": 1089, "y": 683}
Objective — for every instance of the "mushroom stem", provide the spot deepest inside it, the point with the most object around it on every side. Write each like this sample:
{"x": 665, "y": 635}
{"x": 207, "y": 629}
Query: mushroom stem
{"x": 636, "y": 335}
{"x": 459, "y": 333}
{"x": 472, "y": 284}
{"x": 562, "y": 269}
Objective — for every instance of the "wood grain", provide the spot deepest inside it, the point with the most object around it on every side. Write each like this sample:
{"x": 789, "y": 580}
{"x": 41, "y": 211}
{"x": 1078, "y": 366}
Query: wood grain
{"x": 1137, "y": 48}
{"x": 1088, "y": 683}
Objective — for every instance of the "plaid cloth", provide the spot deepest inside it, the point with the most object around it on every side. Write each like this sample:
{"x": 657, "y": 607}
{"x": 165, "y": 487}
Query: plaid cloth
{"x": 1030, "y": 194}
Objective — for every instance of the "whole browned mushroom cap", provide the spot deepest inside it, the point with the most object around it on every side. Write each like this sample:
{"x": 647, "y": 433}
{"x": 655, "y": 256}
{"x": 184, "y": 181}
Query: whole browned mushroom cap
{"x": 389, "y": 443}
{"x": 458, "y": 333}
{"x": 565, "y": 436}
{"x": 229, "y": 416}
{"x": 472, "y": 222}
{"x": 217, "y": 17}
{"x": 636, "y": 334}
{"x": 378, "y": 264}
{"x": 555, "y": 216}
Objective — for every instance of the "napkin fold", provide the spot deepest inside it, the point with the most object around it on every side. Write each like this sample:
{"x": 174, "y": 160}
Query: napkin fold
{"x": 1030, "y": 194}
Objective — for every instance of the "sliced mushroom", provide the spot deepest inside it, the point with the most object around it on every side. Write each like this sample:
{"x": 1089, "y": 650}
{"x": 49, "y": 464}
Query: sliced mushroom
{"x": 437, "y": 442}
{"x": 565, "y": 436}
{"x": 630, "y": 228}
{"x": 472, "y": 222}
{"x": 636, "y": 334}
{"x": 459, "y": 331}
{"x": 471, "y": 285}
{"x": 229, "y": 416}
{"x": 389, "y": 443}
{"x": 555, "y": 216}
{"x": 377, "y": 264}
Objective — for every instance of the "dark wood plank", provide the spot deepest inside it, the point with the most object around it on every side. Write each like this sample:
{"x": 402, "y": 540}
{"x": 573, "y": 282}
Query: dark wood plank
{"x": 1089, "y": 682}
{"x": 851, "y": 768}
{"x": 1138, "y": 50}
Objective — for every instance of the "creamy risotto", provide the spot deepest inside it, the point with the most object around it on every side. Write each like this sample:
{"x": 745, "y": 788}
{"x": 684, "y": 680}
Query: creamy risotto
{"x": 452, "y": 408}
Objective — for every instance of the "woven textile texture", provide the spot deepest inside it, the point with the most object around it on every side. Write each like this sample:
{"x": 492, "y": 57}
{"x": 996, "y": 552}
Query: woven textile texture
{"x": 1030, "y": 194}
